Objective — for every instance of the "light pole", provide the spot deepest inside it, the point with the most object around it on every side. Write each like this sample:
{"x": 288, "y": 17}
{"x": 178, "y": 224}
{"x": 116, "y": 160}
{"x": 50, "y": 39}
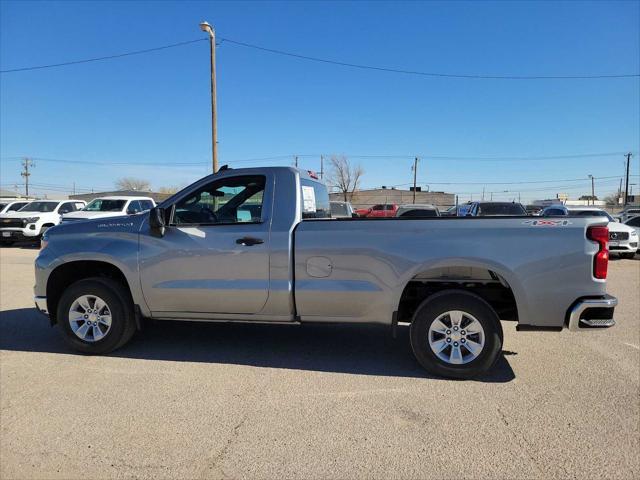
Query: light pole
{"x": 593, "y": 194}
{"x": 205, "y": 27}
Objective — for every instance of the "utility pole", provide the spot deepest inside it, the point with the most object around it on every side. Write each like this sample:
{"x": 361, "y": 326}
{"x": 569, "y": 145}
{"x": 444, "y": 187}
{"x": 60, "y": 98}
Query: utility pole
{"x": 626, "y": 188}
{"x": 483, "y": 193}
{"x": 322, "y": 167}
{"x": 26, "y": 164}
{"x": 491, "y": 196}
{"x": 415, "y": 173}
{"x": 205, "y": 27}
{"x": 593, "y": 191}
{"x": 295, "y": 158}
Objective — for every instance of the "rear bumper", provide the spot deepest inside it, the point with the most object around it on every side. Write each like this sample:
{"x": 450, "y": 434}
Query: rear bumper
{"x": 592, "y": 313}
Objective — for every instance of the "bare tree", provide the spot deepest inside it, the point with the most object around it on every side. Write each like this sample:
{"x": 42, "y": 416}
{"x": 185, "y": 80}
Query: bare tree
{"x": 613, "y": 199}
{"x": 130, "y": 183}
{"x": 343, "y": 176}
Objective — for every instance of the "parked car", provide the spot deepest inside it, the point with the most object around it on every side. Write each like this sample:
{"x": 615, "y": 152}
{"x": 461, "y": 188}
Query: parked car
{"x": 554, "y": 211}
{"x": 342, "y": 210}
{"x": 32, "y": 220}
{"x": 11, "y": 205}
{"x": 111, "y": 207}
{"x": 491, "y": 209}
{"x": 196, "y": 257}
{"x": 533, "y": 209}
{"x": 627, "y": 213}
{"x": 382, "y": 210}
{"x": 417, "y": 210}
{"x": 623, "y": 239}
{"x": 634, "y": 222}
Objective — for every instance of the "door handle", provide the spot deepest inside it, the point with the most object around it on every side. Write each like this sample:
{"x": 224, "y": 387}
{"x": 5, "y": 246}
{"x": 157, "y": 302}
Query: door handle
{"x": 249, "y": 241}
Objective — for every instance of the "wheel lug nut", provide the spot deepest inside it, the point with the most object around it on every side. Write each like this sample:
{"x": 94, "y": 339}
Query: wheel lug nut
{"x": 86, "y": 316}
{"x": 455, "y": 344}
{"x": 448, "y": 332}
{"x": 462, "y": 340}
{"x": 455, "y": 328}
{"x": 448, "y": 340}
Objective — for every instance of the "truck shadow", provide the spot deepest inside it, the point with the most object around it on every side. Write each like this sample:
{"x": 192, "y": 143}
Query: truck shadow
{"x": 354, "y": 349}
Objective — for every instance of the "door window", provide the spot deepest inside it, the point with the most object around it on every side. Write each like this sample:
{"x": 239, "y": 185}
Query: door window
{"x": 223, "y": 202}
{"x": 66, "y": 208}
{"x": 134, "y": 207}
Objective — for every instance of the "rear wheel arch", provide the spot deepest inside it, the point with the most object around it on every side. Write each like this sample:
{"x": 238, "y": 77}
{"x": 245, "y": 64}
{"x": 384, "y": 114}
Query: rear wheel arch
{"x": 69, "y": 273}
{"x": 487, "y": 282}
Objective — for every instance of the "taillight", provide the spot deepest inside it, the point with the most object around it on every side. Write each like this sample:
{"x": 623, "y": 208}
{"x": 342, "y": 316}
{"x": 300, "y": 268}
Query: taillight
{"x": 601, "y": 260}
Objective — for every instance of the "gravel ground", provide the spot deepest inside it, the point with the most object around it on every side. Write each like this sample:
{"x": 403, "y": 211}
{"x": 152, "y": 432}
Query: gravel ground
{"x": 190, "y": 400}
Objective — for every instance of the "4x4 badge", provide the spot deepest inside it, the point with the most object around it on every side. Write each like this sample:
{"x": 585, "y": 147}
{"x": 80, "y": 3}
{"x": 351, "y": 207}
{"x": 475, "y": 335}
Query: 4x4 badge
{"x": 547, "y": 223}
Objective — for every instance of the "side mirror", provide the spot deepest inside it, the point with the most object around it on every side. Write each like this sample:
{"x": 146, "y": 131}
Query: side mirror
{"x": 354, "y": 215}
{"x": 157, "y": 221}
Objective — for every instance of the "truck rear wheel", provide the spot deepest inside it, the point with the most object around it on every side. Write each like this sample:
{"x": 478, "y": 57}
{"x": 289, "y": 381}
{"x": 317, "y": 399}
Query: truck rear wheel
{"x": 456, "y": 334}
{"x": 96, "y": 315}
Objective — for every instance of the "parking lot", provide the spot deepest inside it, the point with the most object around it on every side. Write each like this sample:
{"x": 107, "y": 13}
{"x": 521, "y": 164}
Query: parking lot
{"x": 195, "y": 400}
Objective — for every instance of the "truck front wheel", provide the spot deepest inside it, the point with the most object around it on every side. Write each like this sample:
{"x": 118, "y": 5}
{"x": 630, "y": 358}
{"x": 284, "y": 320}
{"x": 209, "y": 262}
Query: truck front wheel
{"x": 456, "y": 334}
{"x": 96, "y": 315}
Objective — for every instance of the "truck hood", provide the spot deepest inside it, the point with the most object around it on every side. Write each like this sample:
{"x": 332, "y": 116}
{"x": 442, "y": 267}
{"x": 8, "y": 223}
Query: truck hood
{"x": 82, "y": 215}
{"x": 121, "y": 223}
{"x": 26, "y": 214}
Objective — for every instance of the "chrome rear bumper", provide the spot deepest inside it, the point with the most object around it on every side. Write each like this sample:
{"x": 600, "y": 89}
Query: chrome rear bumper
{"x": 580, "y": 318}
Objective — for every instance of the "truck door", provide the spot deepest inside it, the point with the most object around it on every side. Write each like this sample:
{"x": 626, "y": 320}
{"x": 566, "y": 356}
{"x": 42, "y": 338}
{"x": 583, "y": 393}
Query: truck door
{"x": 214, "y": 255}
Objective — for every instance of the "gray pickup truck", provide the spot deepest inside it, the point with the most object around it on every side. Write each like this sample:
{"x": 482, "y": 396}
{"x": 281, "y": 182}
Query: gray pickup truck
{"x": 258, "y": 245}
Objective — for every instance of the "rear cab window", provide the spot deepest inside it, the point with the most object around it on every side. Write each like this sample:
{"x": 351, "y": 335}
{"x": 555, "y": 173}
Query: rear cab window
{"x": 314, "y": 199}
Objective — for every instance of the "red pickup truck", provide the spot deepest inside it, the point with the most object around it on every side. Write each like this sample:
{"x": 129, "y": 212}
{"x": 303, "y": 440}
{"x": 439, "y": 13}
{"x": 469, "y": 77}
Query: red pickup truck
{"x": 380, "y": 210}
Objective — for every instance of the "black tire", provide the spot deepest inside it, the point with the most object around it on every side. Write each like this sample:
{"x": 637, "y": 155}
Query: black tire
{"x": 628, "y": 256}
{"x": 117, "y": 297}
{"x": 449, "y": 300}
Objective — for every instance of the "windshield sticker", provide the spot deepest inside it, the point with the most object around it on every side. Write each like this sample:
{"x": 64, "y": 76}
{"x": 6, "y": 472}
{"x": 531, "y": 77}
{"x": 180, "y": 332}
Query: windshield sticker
{"x": 308, "y": 199}
{"x": 547, "y": 223}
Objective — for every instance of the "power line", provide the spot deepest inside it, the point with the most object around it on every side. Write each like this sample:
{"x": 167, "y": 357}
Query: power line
{"x": 426, "y": 74}
{"x": 108, "y": 57}
{"x": 331, "y": 62}
{"x": 317, "y": 155}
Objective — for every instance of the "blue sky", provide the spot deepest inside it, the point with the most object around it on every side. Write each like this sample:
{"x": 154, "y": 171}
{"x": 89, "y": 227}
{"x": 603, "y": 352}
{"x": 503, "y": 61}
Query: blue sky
{"x": 154, "y": 108}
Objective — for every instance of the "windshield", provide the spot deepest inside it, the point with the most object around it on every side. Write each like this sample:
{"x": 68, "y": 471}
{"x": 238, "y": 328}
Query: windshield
{"x": 591, "y": 213}
{"x": 501, "y": 209}
{"x": 105, "y": 205}
{"x": 39, "y": 207}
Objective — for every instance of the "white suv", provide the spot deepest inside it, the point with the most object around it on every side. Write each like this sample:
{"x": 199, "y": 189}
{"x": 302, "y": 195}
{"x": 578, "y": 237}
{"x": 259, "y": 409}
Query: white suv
{"x": 30, "y": 222}
{"x": 111, "y": 207}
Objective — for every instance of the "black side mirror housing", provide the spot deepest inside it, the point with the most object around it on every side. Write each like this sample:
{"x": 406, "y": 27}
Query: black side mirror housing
{"x": 157, "y": 222}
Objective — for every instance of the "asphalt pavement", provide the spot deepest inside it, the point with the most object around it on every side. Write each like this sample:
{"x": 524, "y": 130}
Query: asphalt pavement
{"x": 197, "y": 400}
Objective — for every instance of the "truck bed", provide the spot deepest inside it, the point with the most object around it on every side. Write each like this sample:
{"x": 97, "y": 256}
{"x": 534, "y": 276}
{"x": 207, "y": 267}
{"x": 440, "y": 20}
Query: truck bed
{"x": 364, "y": 265}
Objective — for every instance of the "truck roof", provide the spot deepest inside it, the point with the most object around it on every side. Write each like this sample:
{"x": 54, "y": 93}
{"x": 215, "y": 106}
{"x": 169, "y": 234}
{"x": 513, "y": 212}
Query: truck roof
{"x": 123, "y": 197}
